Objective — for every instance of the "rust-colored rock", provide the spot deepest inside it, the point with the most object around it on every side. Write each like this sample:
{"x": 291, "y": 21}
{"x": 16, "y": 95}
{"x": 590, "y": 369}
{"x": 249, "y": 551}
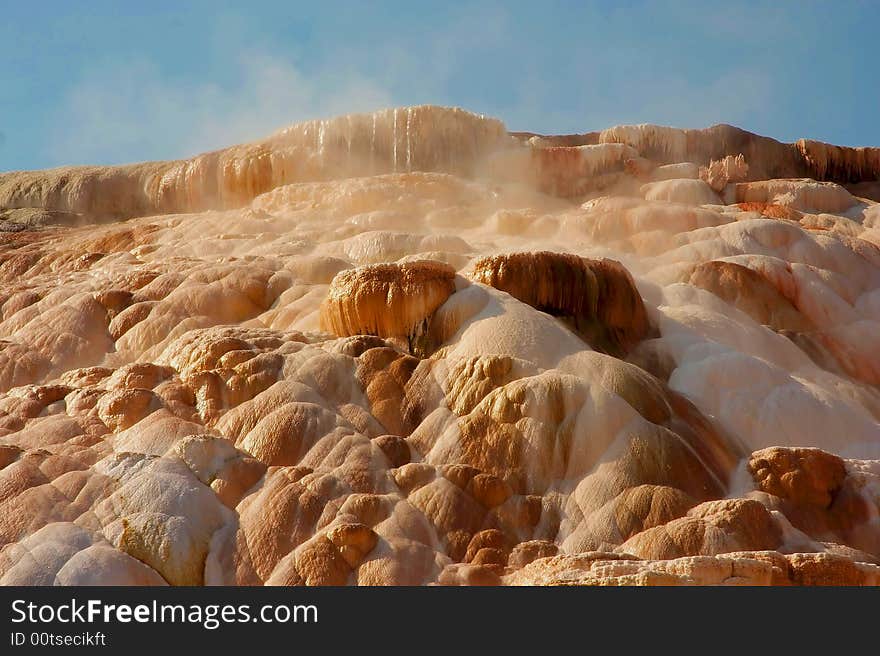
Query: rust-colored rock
{"x": 599, "y": 297}
{"x": 803, "y": 476}
{"x": 387, "y": 300}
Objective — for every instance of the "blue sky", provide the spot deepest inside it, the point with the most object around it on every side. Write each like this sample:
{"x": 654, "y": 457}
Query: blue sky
{"x": 111, "y": 82}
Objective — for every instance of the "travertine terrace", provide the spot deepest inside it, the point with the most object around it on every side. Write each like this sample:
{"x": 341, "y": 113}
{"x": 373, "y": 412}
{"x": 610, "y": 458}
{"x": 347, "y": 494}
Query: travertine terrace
{"x": 413, "y": 348}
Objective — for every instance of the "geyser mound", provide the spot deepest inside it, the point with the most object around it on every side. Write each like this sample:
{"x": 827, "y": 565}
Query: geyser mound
{"x": 409, "y": 347}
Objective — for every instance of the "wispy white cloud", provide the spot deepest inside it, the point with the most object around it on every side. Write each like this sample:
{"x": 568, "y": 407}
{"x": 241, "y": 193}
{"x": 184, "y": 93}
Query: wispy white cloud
{"x": 131, "y": 107}
{"x": 483, "y": 58}
{"x": 131, "y": 110}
